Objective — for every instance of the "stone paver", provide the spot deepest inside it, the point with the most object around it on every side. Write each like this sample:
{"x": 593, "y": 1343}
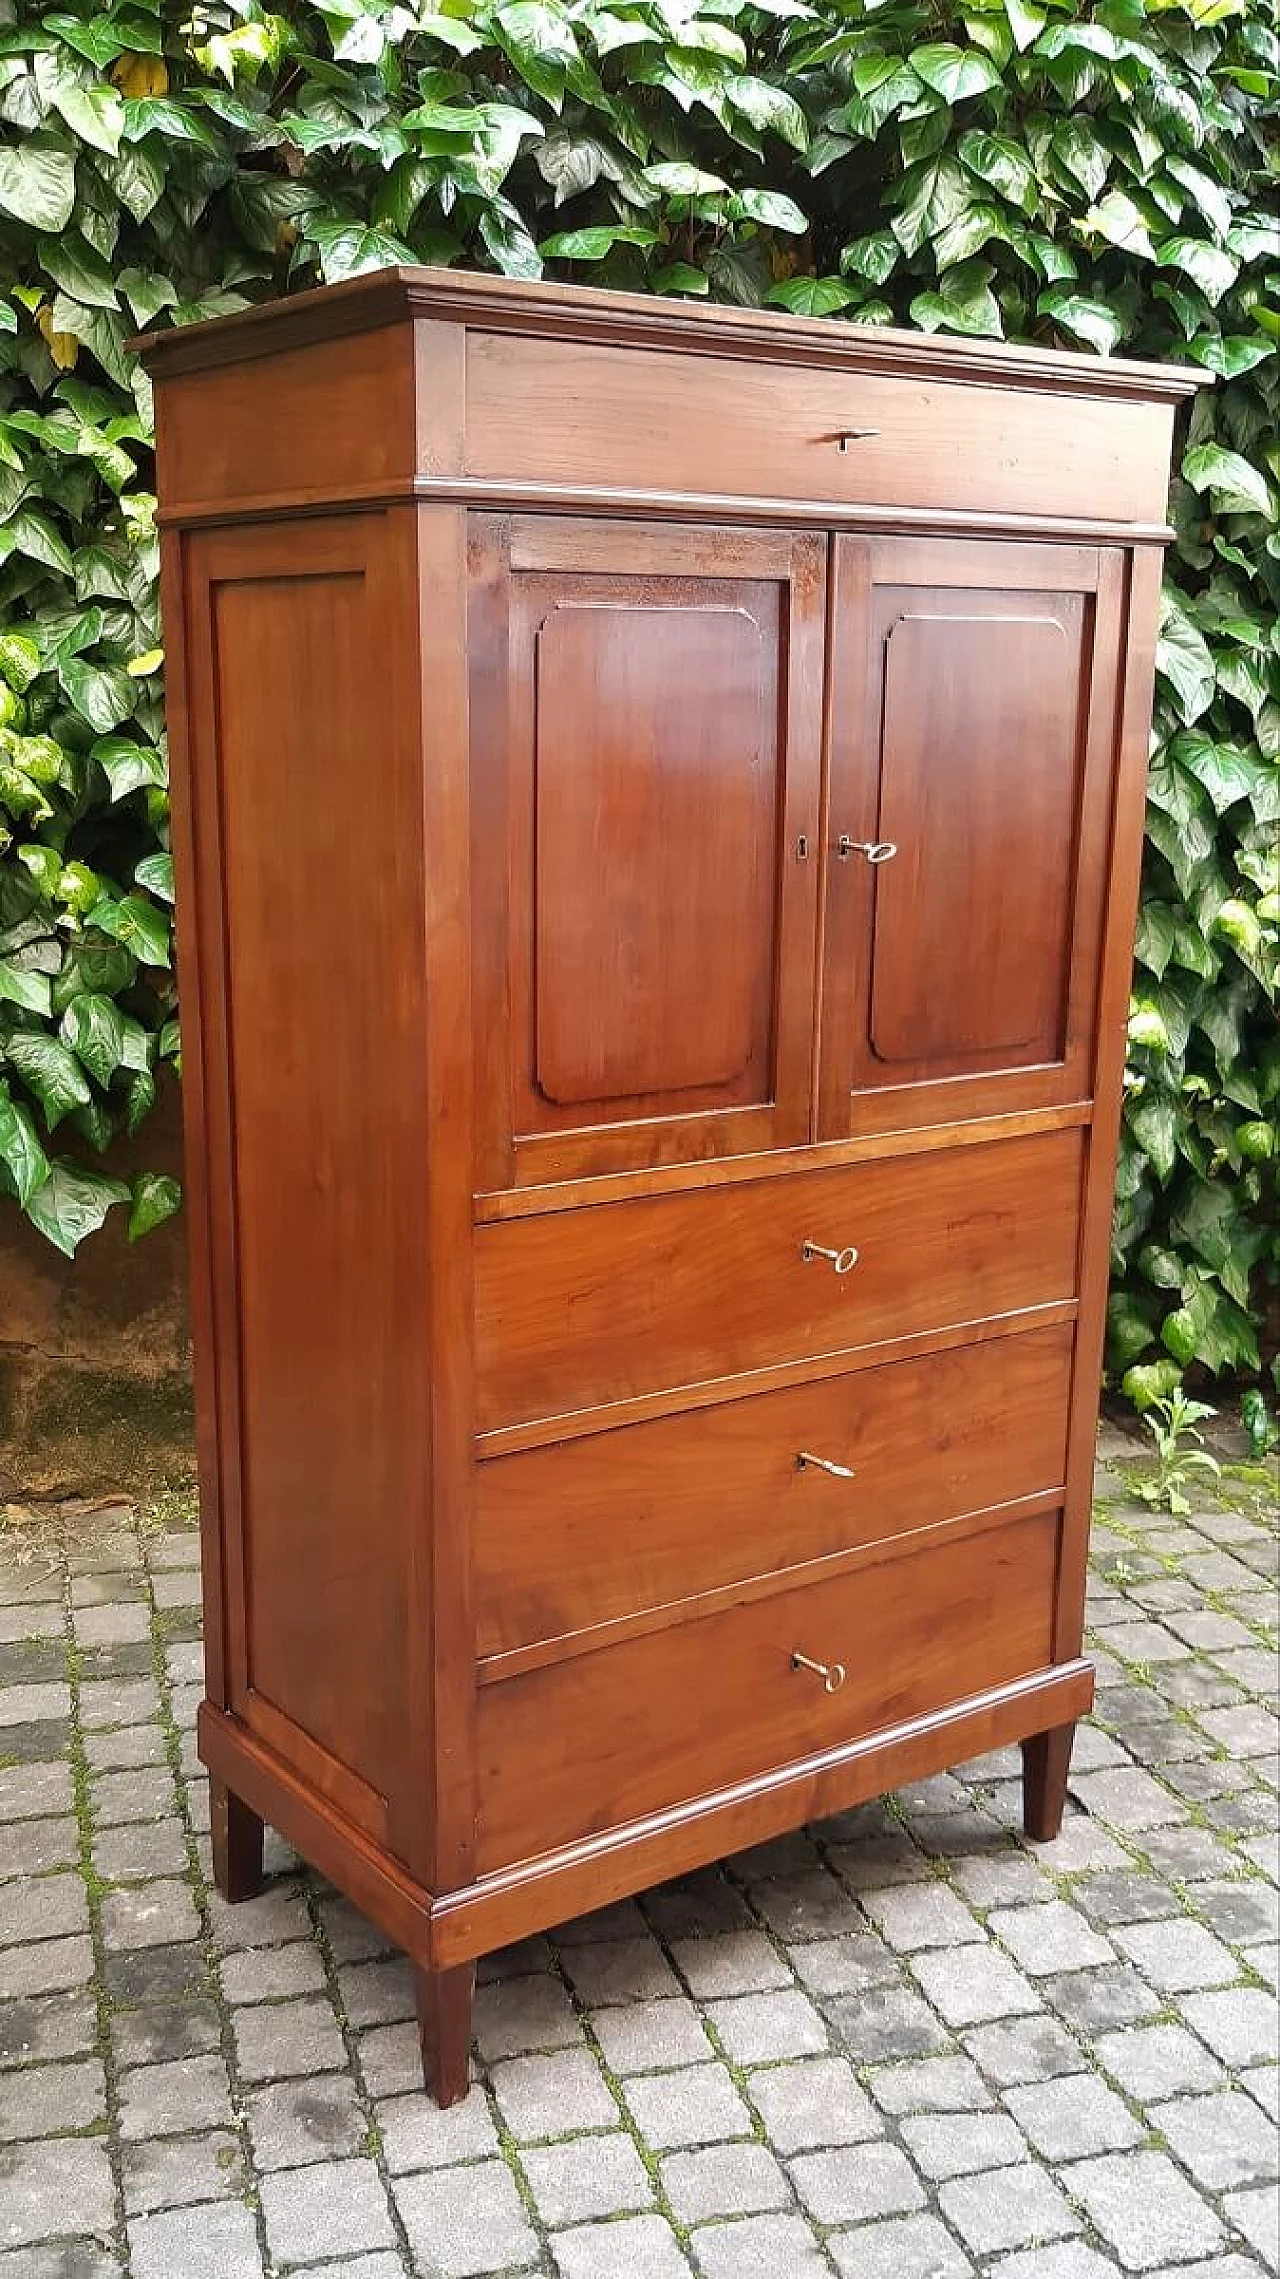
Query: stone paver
{"x": 903, "y": 2044}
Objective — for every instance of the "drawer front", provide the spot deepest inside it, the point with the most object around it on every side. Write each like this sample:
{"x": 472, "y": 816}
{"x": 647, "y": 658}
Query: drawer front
{"x": 647, "y": 420}
{"x": 604, "y": 1738}
{"x": 580, "y": 1308}
{"x": 588, "y": 1530}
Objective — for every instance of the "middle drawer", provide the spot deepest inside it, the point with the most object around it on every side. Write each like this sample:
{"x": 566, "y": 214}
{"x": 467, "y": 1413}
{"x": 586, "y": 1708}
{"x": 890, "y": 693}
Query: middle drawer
{"x": 579, "y": 1309}
{"x": 615, "y": 1522}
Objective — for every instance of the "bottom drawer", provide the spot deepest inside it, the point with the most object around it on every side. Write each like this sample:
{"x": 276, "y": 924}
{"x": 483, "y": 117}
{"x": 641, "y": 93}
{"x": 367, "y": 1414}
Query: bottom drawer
{"x": 607, "y": 1737}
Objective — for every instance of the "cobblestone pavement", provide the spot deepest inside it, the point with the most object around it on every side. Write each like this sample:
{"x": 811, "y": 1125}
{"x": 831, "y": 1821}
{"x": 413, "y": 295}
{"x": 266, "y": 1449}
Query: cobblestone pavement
{"x": 904, "y": 2045}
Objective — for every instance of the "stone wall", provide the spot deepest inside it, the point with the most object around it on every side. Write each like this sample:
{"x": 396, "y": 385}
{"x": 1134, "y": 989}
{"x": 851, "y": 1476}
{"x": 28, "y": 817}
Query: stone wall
{"x": 95, "y": 1390}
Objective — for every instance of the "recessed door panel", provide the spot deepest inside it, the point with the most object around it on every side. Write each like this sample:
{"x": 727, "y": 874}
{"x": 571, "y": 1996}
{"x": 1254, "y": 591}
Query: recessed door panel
{"x": 645, "y": 724}
{"x": 972, "y": 731}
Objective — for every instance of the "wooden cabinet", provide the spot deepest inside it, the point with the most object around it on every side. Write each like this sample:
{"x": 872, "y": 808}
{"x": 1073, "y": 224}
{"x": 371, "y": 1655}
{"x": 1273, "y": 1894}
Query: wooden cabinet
{"x": 658, "y": 804}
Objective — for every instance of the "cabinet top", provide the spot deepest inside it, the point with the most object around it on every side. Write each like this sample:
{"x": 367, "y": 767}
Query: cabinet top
{"x": 587, "y": 313}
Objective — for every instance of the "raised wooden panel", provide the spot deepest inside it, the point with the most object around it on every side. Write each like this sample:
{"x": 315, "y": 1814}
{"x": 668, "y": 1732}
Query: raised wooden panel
{"x": 320, "y": 1253}
{"x": 645, "y": 732}
{"x": 605, "y": 1738}
{"x": 587, "y": 1531}
{"x": 656, "y": 823}
{"x": 972, "y": 747}
{"x": 579, "y": 1309}
{"x": 979, "y": 790}
{"x": 646, "y": 420}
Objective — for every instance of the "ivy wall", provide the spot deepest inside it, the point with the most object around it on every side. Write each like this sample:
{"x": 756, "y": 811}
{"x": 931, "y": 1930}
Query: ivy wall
{"x": 1100, "y": 176}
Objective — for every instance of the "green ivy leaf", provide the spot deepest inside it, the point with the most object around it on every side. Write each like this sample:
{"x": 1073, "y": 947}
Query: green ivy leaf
{"x": 49, "y": 1071}
{"x": 155, "y": 1199}
{"x": 963, "y": 303}
{"x": 957, "y": 74}
{"x": 38, "y": 183}
{"x": 1235, "y": 486}
{"x": 811, "y": 296}
{"x": 24, "y": 1160}
{"x": 1183, "y": 659}
{"x": 1095, "y": 322}
{"x": 72, "y": 1203}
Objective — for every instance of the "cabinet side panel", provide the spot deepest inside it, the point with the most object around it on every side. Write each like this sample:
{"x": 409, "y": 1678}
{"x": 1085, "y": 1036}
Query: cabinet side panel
{"x": 309, "y": 866}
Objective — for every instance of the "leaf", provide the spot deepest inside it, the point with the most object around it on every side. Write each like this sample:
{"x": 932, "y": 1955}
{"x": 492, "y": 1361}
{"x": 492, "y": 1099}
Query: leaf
{"x": 1235, "y": 486}
{"x": 1094, "y": 322}
{"x": 102, "y": 694}
{"x": 155, "y": 872}
{"x": 963, "y": 303}
{"x": 1183, "y": 659}
{"x": 771, "y": 208}
{"x": 103, "y": 1038}
{"x": 1002, "y": 164}
{"x": 73, "y": 264}
{"x": 49, "y": 1071}
{"x": 94, "y": 114}
{"x": 349, "y": 248}
{"x": 770, "y": 108}
{"x": 19, "y": 660}
{"x": 72, "y": 1203}
{"x": 19, "y": 985}
{"x": 38, "y": 184}
{"x": 954, "y": 73}
{"x": 594, "y": 244}
{"x": 1214, "y": 271}
{"x": 21, "y": 1154}
{"x": 155, "y": 1199}
{"x": 811, "y": 296}
{"x": 1080, "y": 152}
{"x": 1120, "y": 222}
{"x": 128, "y": 766}
{"x": 874, "y": 257}
{"x": 136, "y": 924}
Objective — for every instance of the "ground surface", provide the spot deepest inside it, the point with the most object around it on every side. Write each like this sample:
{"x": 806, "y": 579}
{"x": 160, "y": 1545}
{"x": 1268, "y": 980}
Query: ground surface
{"x": 902, "y": 2046}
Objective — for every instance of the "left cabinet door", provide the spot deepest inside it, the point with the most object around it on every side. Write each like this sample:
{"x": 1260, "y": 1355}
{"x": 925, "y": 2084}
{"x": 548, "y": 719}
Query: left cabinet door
{"x": 645, "y": 724}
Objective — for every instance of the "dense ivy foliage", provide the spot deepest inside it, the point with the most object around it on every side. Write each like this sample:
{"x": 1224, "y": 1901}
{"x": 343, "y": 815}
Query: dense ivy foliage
{"x": 1098, "y": 176}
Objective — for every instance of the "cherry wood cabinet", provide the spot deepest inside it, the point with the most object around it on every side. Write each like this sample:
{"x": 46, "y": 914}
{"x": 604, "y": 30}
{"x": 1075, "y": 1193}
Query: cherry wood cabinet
{"x": 657, "y": 806}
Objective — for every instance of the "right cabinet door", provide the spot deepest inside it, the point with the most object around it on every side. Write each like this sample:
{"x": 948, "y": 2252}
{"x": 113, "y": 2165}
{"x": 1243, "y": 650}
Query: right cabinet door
{"x": 971, "y": 737}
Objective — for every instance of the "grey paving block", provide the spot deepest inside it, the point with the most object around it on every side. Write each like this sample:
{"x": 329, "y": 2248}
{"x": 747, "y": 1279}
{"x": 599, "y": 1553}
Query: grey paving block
{"x": 887, "y": 2023}
{"x": 1125, "y": 1895}
{"x": 960, "y": 2144}
{"x": 696, "y": 1906}
{"x": 1145, "y": 2210}
{"x": 33, "y": 1792}
{"x": 620, "y": 1970}
{"x": 1263, "y": 2085}
{"x": 1024, "y": 2049}
{"x": 735, "y": 1962}
{"x": 216, "y": 2240}
{"x": 554, "y": 2094}
{"x": 275, "y": 2039}
{"x": 65, "y": 2184}
{"x": 331, "y": 2208}
{"x": 178, "y": 2171}
{"x": 913, "y": 1915}
{"x": 930, "y": 2085}
{"x": 33, "y": 1847}
{"x": 1256, "y": 2213}
{"x": 28, "y": 1704}
{"x": 812, "y": 2103}
{"x": 292, "y": 2123}
{"x": 832, "y": 1967}
{"x": 724, "y": 2180}
{"x": 277, "y": 1914}
{"x": 813, "y": 1905}
{"x": 621, "y": 1919}
{"x": 266, "y": 1974}
{"x": 1068, "y": 2259}
{"x": 417, "y": 2134}
{"x": 159, "y": 1914}
{"x": 856, "y": 2182}
{"x": 515, "y": 2016}
{"x": 171, "y": 2100}
{"x": 377, "y": 1993}
{"x": 145, "y": 1793}
{"x": 755, "y": 2027}
{"x": 140, "y": 1850}
{"x": 757, "y": 2247}
{"x": 644, "y": 2035}
{"x": 47, "y": 2026}
{"x": 1007, "y": 2208}
{"x": 1222, "y": 2139}
{"x": 642, "y": 2247}
{"x": 43, "y": 1907}
{"x": 1094, "y": 2001}
{"x": 42, "y": 2100}
{"x": 910, "y": 2247}
{"x": 696, "y": 2105}
{"x": 1240, "y": 2025}
{"x": 971, "y": 1985}
{"x": 1242, "y": 1910}
{"x": 1048, "y": 1938}
{"x": 63, "y": 2259}
{"x": 1066, "y": 2120}
{"x": 600, "y": 2175}
{"x": 390, "y": 2060}
{"x": 1128, "y": 1799}
{"x": 1002, "y": 1879}
{"x": 48, "y": 1966}
{"x": 1178, "y": 1956}
{"x": 462, "y": 2221}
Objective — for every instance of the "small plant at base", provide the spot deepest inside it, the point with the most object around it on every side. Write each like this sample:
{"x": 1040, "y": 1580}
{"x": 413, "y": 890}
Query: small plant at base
{"x": 1260, "y": 1425}
{"x": 1172, "y": 1422}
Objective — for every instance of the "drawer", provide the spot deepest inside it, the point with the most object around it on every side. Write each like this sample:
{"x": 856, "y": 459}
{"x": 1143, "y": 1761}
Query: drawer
{"x": 648, "y": 420}
{"x": 586, "y": 1307}
{"x": 591, "y": 1529}
{"x": 604, "y": 1738}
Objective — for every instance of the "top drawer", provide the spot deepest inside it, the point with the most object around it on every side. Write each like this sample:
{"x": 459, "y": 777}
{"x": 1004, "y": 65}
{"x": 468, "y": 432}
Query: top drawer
{"x": 647, "y": 420}
{"x": 576, "y": 1309}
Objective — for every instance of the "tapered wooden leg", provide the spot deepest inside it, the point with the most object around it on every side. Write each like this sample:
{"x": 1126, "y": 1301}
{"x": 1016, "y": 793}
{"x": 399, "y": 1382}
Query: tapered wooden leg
{"x": 237, "y": 1844}
{"x": 1046, "y": 1758}
{"x": 444, "y": 1999}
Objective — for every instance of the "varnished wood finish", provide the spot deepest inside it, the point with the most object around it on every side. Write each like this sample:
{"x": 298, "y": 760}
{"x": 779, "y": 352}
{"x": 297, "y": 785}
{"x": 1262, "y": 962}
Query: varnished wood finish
{"x": 443, "y": 1999}
{"x": 534, "y": 1022}
{"x": 580, "y": 1532}
{"x": 1046, "y": 1761}
{"x": 235, "y": 1834}
{"x": 711, "y": 1702}
{"x": 672, "y": 1290}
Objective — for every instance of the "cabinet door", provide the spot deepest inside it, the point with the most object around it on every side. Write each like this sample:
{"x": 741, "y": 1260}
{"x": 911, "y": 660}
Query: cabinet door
{"x": 645, "y": 763}
{"x": 972, "y": 726}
